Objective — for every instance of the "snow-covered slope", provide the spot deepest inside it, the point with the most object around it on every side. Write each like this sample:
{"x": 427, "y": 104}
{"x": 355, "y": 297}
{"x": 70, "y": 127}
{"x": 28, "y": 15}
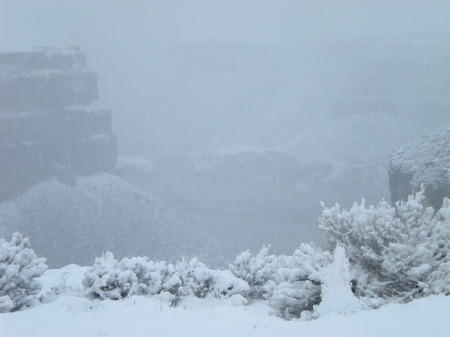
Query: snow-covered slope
{"x": 141, "y": 316}
{"x": 74, "y": 224}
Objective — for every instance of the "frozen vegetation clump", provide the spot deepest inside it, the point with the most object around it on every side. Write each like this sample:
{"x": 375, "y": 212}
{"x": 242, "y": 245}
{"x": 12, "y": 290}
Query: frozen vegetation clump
{"x": 291, "y": 284}
{"x": 258, "y": 271}
{"x": 19, "y": 268}
{"x": 113, "y": 279}
{"x": 299, "y": 283}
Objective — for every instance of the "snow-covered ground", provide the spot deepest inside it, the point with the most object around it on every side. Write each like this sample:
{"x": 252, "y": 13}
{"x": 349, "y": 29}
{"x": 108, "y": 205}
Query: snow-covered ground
{"x": 69, "y": 315}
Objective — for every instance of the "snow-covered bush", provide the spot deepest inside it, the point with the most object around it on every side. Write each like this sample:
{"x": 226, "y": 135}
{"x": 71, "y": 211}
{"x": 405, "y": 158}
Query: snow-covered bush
{"x": 113, "y": 279}
{"x": 298, "y": 287}
{"x": 196, "y": 278}
{"x": 260, "y": 272}
{"x": 291, "y": 284}
{"x": 395, "y": 250}
{"x": 439, "y": 281}
{"x": 103, "y": 281}
{"x": 226, "y": 284}
{"x": 19, "y": 268}
{"x": 200, "y": 281}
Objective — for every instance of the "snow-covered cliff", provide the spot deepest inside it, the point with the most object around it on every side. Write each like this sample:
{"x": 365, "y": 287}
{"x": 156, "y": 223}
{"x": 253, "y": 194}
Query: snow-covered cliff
{"x": 425, "y": 161}
{"x": 51, "y": 122}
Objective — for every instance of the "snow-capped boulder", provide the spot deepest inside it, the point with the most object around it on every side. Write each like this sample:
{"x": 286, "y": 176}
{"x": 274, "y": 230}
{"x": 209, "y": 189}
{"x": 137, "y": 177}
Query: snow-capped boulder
{"x": 425, "y": 161}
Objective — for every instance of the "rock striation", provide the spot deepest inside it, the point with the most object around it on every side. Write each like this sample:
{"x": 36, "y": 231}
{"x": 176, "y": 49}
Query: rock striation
{"x": 427, "y": 162}
{"x": 51, "y": 122}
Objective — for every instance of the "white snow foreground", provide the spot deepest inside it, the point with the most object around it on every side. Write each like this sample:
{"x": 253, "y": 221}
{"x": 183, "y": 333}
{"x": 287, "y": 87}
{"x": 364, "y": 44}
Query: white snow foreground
{"x": 69, "y": 315}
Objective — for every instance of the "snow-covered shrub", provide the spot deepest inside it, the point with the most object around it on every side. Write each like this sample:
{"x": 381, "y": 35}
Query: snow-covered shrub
{"x": 291, "y": 299}
{"x": 113, "y": 279}
{"x": 291, "y": 284}
{"x": 439, "y": 281}
{"x": 298, "y": 279}
{"x": 19, "y": 268}
{"x": 363, "y": 231}
{"x": 108, "y": 280}
{"x": 260, "y": 272}
{"x": 152, "y": 277}
{"x": 395, "y": 250}
{"x": 226, "y": 284}
{"x": 196, "y": 278}
{"x": 200, "y": 281}
{"x": 6, "y": 304}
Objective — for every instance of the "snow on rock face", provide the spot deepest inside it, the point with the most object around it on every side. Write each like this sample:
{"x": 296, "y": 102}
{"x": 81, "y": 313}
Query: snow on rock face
{"x": 426, "y": 161}
{"x": 50, "y": 120}
{"x": 45, "y": 78}
{"x": 75, "y": 223}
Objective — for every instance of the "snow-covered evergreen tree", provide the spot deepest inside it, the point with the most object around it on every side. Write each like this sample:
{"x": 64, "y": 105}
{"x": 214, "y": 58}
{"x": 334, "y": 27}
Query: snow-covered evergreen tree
{"x": 19, "y": 268}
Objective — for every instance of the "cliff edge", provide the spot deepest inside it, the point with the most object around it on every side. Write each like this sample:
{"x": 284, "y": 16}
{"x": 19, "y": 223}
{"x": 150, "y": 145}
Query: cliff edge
{"x": 425, "y": 161}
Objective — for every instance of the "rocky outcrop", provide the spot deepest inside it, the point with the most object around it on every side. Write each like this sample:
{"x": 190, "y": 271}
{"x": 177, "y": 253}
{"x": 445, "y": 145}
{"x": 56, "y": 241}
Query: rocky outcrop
{"x": 56, "y": 147}
{"x": 51, "y": 122}
{"x": 427, "y": 162}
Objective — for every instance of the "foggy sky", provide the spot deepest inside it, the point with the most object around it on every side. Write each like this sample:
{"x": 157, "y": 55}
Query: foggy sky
{"x": 125, "y": 40}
